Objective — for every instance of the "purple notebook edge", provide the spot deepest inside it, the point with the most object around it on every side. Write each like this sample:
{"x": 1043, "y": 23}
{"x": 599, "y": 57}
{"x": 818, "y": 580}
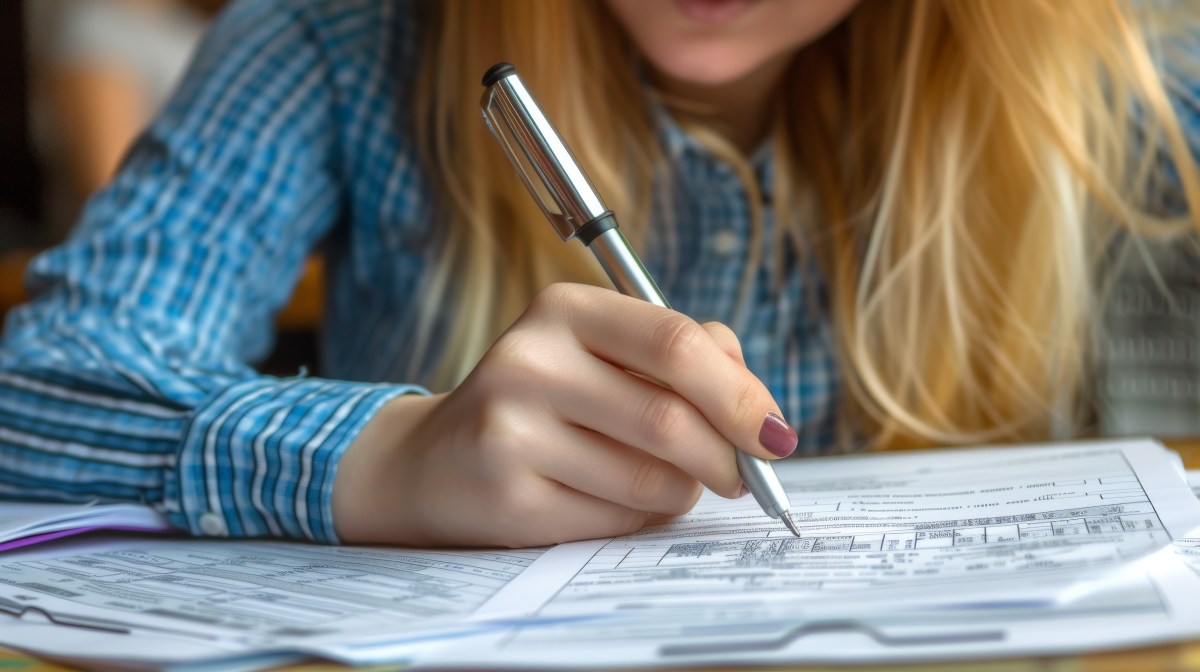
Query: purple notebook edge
{"x": 50, "y": 536}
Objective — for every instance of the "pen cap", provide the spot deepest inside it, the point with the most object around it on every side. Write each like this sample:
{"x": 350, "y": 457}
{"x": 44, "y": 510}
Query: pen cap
{"x": 540, "y": 156}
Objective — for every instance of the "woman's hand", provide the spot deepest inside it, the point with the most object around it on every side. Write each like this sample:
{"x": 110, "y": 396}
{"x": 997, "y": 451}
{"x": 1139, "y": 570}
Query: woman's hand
{"x": 591, "y": 414}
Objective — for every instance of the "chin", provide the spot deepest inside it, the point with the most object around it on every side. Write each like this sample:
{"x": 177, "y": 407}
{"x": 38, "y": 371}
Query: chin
{"x": 704, "y": 67}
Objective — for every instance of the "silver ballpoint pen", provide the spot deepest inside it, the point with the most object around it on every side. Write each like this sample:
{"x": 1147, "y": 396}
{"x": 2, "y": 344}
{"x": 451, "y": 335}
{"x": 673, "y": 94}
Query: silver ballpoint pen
{"x": 575, "y": 210}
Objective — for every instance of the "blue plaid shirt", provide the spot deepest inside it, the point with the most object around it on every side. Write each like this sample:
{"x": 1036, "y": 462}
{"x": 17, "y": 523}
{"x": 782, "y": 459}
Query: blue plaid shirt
{"x": 129, "y": 376}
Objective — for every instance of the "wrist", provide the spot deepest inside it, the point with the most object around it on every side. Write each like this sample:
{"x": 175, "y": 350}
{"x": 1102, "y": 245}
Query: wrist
{"x": 374, "y": 490}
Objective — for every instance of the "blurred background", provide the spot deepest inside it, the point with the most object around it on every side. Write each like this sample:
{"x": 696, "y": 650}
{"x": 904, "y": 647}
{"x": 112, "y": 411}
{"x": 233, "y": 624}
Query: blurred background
{"x": 88, "y": 75}
{"x": 80, "y": 78}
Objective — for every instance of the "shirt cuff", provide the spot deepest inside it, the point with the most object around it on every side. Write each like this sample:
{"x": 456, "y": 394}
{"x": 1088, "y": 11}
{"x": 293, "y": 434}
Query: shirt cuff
{"x": 259, "y": 458}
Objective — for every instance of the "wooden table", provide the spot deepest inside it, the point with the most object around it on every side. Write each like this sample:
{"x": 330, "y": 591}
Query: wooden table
{"x": 1170, "y": 658}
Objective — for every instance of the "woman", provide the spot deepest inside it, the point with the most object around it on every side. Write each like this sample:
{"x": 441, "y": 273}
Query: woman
{"x": 896, "y": 207}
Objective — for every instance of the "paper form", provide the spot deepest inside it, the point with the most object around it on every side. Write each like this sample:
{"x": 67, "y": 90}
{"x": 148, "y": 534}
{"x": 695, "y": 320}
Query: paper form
{"x": 902, "y": 556}
{"x": 26, "y": 523}
{"x": 1189, "y": 548}
{"x": 234, "y": 597}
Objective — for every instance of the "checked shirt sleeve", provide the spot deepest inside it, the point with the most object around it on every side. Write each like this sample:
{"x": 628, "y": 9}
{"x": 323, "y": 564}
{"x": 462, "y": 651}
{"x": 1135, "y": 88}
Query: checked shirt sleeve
{"x": 127, "y": 378}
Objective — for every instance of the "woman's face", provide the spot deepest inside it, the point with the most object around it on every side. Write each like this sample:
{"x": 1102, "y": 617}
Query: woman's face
{"x": 719, "y": 42}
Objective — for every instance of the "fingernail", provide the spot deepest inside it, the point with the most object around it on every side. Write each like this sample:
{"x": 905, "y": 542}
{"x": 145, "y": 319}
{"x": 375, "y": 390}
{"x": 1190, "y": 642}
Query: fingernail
{"x": 745, "y": 491}
{"x": 776, "y": 436}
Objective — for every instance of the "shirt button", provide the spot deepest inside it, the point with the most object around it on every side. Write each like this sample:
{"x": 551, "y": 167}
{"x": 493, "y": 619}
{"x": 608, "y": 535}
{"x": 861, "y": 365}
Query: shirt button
{"x": 725, "y": 242}
{"x": 213, "y": 525}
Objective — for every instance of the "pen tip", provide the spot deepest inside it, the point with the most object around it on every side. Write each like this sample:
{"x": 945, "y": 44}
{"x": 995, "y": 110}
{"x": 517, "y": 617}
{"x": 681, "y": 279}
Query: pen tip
{"x": 786, "y": 517}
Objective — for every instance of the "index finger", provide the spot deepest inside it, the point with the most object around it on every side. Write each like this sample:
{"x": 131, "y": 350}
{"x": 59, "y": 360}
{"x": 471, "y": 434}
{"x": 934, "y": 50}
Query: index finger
{"x": 672, "y": 348}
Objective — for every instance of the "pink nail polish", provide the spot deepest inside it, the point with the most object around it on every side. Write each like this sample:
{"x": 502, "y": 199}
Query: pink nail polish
{"x": 777, "y": 436}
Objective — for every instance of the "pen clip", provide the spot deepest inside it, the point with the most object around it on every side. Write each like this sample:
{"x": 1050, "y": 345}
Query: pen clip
{"x": 536, "y": 150}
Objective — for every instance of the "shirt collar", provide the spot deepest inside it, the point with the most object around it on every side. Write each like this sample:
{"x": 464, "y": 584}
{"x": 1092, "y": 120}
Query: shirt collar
{"x": 677, "y": 142}
{"x": 682, "y": 148}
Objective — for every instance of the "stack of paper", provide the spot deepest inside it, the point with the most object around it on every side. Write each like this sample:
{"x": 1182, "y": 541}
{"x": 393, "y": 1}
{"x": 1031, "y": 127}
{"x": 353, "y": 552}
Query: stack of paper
{"x": 25, "y": 523}
{"x": 154, "y": 603}
{"x": 903, "y": 557}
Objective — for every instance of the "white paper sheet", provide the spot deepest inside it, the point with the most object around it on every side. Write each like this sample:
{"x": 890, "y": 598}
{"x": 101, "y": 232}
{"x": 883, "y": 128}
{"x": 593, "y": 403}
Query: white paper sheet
{"x": 183, "y": 600}
{"x": 23, "y": 520}
{"x": 1193, "y": 479}
{"x": 902, "y": 557}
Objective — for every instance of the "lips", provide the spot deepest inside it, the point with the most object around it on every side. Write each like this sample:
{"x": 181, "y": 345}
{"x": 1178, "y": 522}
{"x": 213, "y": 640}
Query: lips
{"x": 714, "y": 12}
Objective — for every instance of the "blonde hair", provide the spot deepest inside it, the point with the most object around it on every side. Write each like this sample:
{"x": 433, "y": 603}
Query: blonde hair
{"x": 960, "y": 165}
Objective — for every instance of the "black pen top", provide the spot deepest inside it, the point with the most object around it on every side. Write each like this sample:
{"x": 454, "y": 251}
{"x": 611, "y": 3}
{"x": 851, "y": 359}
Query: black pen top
{"x": 497, "y": 72}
